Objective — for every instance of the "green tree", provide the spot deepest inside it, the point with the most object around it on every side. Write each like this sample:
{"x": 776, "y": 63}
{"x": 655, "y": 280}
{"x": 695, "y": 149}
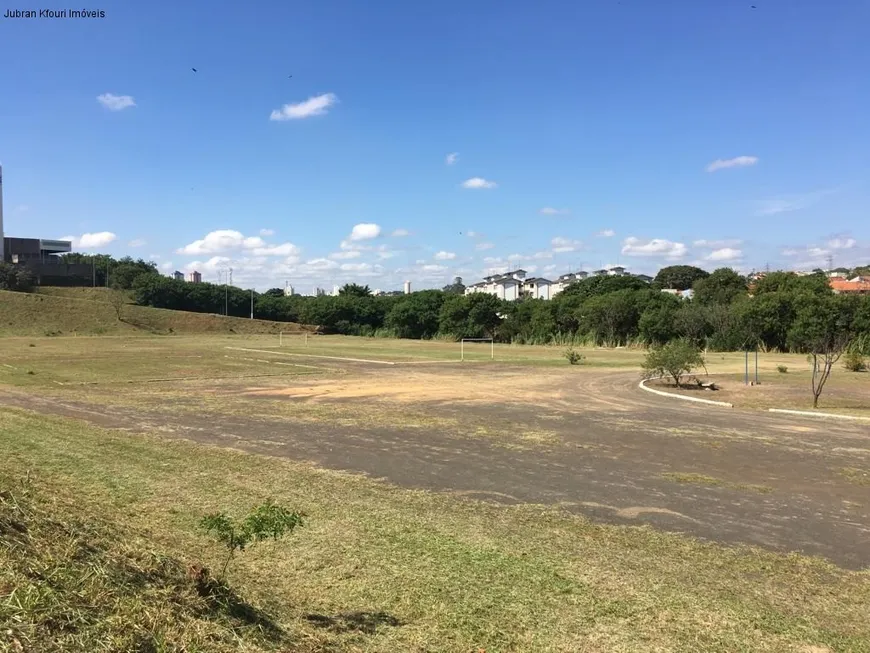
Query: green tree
{"x": 657, "y": 324}
{"x": 354, "y": 290}
{"x": 789, "y": 282}
{"x": 470, "y": 316}
{"x": 416, "y": 315}
{"x": 16, "y": 277}
{"x": 612, "y": 319}
{"x": 723, "y": 286}
{"x": 674, "y": 359}
{"x": 455, "y": 288}
{"x": 822, "y": 329}
{"x": 692, "y": 323}
{"x": 602, "y": 285}
{"x": 678, "y": 277}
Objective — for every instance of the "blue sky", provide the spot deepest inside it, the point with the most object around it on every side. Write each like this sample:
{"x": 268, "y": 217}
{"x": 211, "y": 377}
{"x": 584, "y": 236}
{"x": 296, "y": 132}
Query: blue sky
{"x": 585, "y": 134}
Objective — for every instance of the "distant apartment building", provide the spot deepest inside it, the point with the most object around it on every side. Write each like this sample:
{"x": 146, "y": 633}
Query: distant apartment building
{"x": 194, "y": 277}
{"x": 407, "y": 288}
{"x": 178, "y": 276}
{"x": 514, "y": 284}
{"x": 288, "y": 290}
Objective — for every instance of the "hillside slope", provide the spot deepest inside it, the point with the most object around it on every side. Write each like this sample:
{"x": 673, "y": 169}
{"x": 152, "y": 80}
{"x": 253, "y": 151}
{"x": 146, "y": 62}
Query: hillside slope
{"x": 23, "y": 314}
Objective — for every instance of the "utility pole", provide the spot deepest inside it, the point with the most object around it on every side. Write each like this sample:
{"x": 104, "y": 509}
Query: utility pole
{"x": 107, "y": 273}
{"x": 252, "y": 303}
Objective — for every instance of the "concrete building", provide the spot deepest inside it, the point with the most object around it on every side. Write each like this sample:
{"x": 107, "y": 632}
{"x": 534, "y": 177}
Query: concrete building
{"x": 178, "y": 276}
{"x": 537, "y": 288}
{"x": 288, "y": 290}
{"x": 194, "y": 277}
{"x": 407, "y": 288}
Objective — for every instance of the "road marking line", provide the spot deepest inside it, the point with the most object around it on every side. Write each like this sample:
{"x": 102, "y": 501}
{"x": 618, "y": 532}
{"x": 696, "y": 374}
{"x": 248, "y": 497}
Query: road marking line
{"x": 337, "y": 358}
{"x": 642, "y": 386}
{"x": 807, "y": 413}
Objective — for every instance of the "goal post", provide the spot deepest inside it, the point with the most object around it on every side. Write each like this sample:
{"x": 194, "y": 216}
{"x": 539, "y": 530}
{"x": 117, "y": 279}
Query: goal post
{"x": 464, "y": 340}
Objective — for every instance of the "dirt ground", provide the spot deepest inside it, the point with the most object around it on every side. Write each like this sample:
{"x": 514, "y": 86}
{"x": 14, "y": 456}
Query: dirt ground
{"x": 588, "y": 440}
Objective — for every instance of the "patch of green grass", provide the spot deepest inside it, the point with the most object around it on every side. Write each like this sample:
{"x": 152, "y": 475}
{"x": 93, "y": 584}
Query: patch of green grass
{"x": 73, "y": 580}
{"x": 65, "y": 314}
{"x": 710, "y": 481}
{"x": 444, "y": 574}
{"x": 856, "y": 476}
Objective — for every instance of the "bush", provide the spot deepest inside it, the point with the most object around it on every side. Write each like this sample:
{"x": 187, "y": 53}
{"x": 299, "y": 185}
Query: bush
{"x": 782, "y": 369}
{"x": 263, "y": 522}
{"x": 854, "y": 361}
{"x": 675, "y": 359}
{"x": 574, "y": 357}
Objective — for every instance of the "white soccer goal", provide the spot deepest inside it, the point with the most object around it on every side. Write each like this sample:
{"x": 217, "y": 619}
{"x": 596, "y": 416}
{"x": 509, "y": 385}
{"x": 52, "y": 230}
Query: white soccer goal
{"x": 464, "y": 340}
{"x": 281, "y": 339}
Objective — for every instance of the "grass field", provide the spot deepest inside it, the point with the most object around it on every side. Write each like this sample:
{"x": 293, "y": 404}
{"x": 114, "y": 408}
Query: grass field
{"x": 426, "y": 572}
{"x": 62, "y": 312}
{"x": 379, "y": 567}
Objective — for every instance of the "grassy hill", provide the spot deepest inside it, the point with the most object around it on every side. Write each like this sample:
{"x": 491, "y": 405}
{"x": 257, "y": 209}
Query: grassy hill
{"x": 87, "y": 311}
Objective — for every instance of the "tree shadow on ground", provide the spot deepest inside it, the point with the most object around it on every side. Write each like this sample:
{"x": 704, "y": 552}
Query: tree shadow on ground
{"x": 363, "y": 622}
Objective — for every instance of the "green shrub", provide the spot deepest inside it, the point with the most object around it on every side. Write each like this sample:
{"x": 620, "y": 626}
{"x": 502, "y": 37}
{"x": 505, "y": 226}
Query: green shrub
{"x": 263, "y": 522}
{"x": 674, "y": 359}
{"x": 782, "y": 369}
{"x": 854, "y": 361}
{"x": 574, "y": 357}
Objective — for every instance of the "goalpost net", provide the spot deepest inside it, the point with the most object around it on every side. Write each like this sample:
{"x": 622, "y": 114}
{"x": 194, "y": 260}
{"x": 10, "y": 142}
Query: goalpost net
{"x": 472, "y": 341}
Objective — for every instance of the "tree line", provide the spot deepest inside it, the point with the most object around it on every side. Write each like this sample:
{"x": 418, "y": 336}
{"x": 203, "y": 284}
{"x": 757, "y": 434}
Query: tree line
{"x": 781, "y": 311}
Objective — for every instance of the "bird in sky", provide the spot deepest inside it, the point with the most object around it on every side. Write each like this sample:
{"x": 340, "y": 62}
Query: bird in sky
{"x": 193, "y": 69}
{"x": 289, "y": 76}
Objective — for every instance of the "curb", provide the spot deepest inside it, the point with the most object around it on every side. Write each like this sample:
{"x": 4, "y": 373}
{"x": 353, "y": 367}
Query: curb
{"x": 806, "y": 413}
{"x": 642, "y": 386}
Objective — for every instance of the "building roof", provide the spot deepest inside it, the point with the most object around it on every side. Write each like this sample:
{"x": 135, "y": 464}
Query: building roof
{"x": 843, "y": 285}
{"x": 538, "y": 280}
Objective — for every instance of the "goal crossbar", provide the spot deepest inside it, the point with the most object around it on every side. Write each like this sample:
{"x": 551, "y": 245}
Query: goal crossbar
{"x": 464, "y": 340}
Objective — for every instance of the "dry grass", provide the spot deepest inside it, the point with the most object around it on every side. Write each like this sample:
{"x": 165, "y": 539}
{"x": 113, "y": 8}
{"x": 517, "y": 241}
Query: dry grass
{"x": 845, "y": 392}
{"x": 710, "y": 481}
{"x": 430, "y": 572}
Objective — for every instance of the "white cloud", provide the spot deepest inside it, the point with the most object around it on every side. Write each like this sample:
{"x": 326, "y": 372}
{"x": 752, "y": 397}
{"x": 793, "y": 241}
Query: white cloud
{"x": 657, "y": 247}
{"x": 451, "y": 158}
{"x": 736, "y": 162}
{"x": 137, "y": 242}
{"x": 365, "y": 231}
{"x": 284, "y": 249}
{"x": 478, "y": 182}
{"x": 154, "y": 257}
{"x": 724, "y": 254}
{"x": 790, "y": 203}
{"x": 434, "y": 268}
{"x": 606, "y": 233}
{"x": 222, "y": 240}
{"x": 483, "y": 246}
{"x": 841, "y": 243}
{"x": 115, "y": 102}
{"x": 91, "y": 241}
{"x": 473, "y": 234}
{"x": 167, "y": 266}
{"x": 227, "y": 240}
{"x": 399, "y": 233}
{"x": 320, "y": 264}
{"x": 313, "y": 106}
{"x": 267, "y": 232}
{"x": 561, "y": 244}
{"x": 549, "y": 210}
{"x": 545, "y": 254}
{"x": 346, "y": 255}
{"x": 717, "y": 244}
{"x": 445, "y": 256}
{"x": 385, "y": 254}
